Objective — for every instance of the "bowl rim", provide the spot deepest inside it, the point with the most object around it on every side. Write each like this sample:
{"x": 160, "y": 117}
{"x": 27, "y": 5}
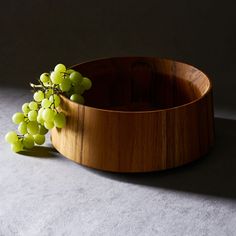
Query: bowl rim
{"x": 208, "y": 90}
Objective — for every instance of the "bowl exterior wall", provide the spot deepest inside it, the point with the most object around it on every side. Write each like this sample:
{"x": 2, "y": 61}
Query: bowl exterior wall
{"x": 136, "y": 141}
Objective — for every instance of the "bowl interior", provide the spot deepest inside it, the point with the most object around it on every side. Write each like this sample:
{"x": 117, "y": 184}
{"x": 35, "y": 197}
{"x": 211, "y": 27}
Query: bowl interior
{"x": 142, "y": 83}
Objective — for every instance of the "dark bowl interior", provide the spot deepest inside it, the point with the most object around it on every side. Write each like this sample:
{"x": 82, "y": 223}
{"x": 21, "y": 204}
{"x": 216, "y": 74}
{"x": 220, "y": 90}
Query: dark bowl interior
{"x": 142, "y": 83}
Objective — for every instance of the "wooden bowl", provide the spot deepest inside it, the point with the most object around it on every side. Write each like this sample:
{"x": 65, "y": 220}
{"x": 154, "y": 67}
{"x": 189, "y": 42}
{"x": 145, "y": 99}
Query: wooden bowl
{"x": 142, "y": 114}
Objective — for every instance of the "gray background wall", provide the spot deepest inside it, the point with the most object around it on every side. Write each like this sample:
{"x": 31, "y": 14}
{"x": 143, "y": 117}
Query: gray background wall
{"x": 35, "y": 35}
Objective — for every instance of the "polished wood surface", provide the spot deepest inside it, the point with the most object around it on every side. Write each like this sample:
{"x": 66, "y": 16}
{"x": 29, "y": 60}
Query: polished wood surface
{"x": 142, "y": 114}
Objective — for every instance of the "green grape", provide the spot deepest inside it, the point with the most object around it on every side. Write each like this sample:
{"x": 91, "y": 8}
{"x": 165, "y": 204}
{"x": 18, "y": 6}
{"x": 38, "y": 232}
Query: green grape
{"x": 44, "y": 77}
{"x": 25, "y": 108}
{"x": 86, "y": 83}
{"x": 69, "y": 71}
{"x": 79, "y": 89}
{"x": 28, "y": 141}
{"x": 48, "y": 115}
{"x": 32, "y": 115}
{"x": 48, "y": 93}
{"x": 17, "y": 146}
{"x": 45, "y": 103}
{"x": 22, "y": 128}
{"x": 48, "y": 124}
{"x": 40, "y": 119}
{"x": 40, "y": 116}
{"x": 33, "y": 127}
{"x": 56, "y": 77}
{"x": 77, "y": 98}
{"x": 42, "y": 130}
{"x": 59, "y": 120}
{"x": 11, "y": 137}
{"x": 76, "y": 78}
{"x": 65, "y": 85}
{"x": 39, "y": 139}
{"x": 55, "y": 99}
{"x": 40, "y": 111}
{"x": 55, "y": 112}
{"x": 60, "y": 68}
{"x": 33, "y": 106}
{"x": 18, "y": 117}
{"x": 38, "y": 96}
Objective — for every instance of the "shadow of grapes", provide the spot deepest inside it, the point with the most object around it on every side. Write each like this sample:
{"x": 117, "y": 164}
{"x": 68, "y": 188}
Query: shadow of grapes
{"x": 41, "y": 151}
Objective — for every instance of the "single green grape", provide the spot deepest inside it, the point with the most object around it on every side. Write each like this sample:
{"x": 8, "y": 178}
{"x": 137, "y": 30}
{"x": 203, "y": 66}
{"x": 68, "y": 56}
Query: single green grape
{"x": 59, "y": 120}
{"x": 33, "y": 106}
{"x": 48, "y": 93}
{"x": 11, "y": 137}
{"x": 42, "y": 130}
{"x": 25, "y": 108}
{"x": 48, "y": 115}
{"x": 79, "y": 89}
{"x": 40, "y": 111}
{"x": 22, "y": 128}
{"x": 77, "y": 98}
{"x": 55, "y": 99}
{"x": 18, "y": 117}
{"x": 65, "y": 85}
{"x": 28, "y": 141}
{"x": 38, "y": 96}
{"x": 56, "y": 77}
{"x": 44, "y": 77}
{"x": 48, "y": 125}
{"x": 40, "y": 120}
{"x": 60, "y": 68}
{"x": 69, "y": 71}
{"x": 32, "y": 115}
{"x": 45, "y": 103}
{"x": 17, "y": 146}
{"x": 39, "y": 139}
{"x": 33, "y": 127}
{"x": 75, "y": 78}
{"x": 40, "y": 116}
{"x": 86, "y": 83}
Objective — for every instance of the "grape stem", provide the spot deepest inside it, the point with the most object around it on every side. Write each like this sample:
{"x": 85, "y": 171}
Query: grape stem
{"x": 53, "y": 103}
{"x": 20, "y": 136}
{"x": 36, "y": 85}
{"x": 43, "y": 87}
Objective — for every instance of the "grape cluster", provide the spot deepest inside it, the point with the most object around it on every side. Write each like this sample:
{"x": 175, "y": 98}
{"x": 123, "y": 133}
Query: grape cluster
{"x": 42, "y": 114}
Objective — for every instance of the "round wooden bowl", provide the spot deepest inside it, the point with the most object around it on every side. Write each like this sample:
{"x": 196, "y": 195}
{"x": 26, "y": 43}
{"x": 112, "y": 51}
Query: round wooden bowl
{"x": 142, "y": 114}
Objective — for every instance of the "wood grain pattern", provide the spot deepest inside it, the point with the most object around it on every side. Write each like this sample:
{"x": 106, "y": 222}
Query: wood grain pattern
{"x": 142, "y": 114}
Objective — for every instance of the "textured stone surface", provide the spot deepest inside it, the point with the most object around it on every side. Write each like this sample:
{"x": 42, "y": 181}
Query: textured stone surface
{"x": 45, "y": 194}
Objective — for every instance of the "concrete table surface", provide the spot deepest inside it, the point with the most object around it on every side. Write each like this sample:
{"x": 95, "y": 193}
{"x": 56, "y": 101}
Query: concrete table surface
{"x": 43, "y": 193}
